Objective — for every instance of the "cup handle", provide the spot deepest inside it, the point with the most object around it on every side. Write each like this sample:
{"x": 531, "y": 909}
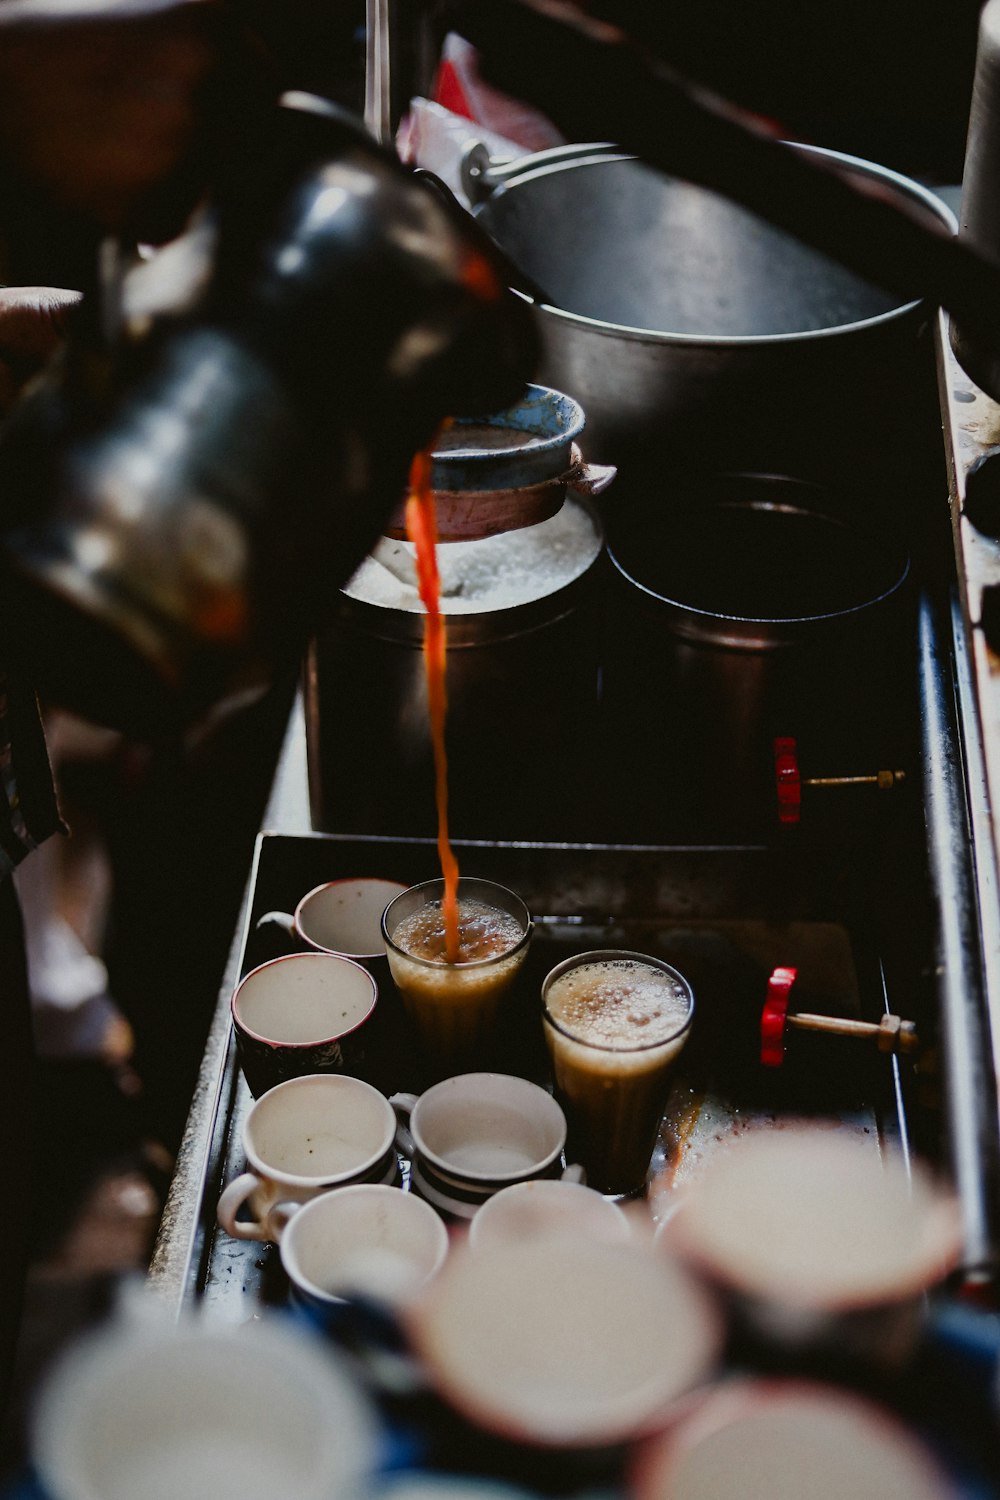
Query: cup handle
{"x": 276, "y": 1219}
{"x": 574, "y": 1173}
{"x": 403, "y": 1106}
{"x": 231, "y": 1200}
{"x": 280, "y": 919}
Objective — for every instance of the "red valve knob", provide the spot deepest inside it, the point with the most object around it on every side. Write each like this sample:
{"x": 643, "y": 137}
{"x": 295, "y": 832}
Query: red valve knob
{"x": 774, "y": 1016}
{"x": 787, "y": 781}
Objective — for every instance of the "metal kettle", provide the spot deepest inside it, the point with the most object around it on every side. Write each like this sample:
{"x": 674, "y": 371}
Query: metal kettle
{"x": 180, "y": 501}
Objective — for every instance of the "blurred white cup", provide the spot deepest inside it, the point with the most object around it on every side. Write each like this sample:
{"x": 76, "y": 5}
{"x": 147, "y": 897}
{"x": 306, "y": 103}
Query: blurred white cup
{"x": 155, "y": 1410}
{"x": 815, "y": 1235}
{"x": 563, "y": 1343}
{"x": 783, "y": 1440}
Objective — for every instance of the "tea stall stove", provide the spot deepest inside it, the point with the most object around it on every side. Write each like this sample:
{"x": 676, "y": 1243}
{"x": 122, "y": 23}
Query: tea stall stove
{"x": 899, "y": 916}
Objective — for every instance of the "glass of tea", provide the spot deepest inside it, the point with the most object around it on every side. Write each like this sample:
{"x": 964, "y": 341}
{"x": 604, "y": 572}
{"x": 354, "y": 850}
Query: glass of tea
{"x": 455, "y": 1007}
{"x": 614, "y": 1023}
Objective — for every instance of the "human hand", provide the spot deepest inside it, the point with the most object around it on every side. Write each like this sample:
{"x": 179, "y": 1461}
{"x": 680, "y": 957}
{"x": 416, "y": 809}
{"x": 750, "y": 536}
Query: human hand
{"x": 33, "y": 324}
{"x": 102, "y": 106}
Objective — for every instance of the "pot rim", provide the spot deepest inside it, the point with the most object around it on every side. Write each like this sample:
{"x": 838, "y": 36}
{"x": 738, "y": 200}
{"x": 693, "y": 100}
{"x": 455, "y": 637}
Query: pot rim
{"x": 697, "y": 622}
{"x": 591, "y": 155}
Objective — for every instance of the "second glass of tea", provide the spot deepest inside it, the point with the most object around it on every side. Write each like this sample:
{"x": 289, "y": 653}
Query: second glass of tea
{"x": 614, "y": 1024}
{"x": 456, "y": 1008}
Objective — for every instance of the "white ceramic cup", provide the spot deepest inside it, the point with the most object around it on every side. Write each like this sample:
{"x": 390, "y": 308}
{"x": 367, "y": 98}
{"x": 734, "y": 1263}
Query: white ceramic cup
{"x": 547, "y": 1207}
{"x": 569, "y": 1343}
{"x": 299, "y": 1014}
{"x": 341, "y": 916}
{"x": 303, "y": 1138}
{"x": 369, "y": 1239}
{"x": 159, "y": 1411}
{"x": 787, "y": 1439}
{"x": 469, "y": 1136}
{"x": 814, "y": 1235}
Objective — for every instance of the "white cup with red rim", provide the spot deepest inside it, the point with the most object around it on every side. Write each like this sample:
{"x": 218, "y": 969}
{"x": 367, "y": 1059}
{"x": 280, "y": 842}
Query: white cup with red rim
{"x": 299, "y": 1014}
{"x": 341, "y": 916}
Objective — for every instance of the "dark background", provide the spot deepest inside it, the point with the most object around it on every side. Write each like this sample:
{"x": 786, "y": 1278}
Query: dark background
{"x": 888, "y": 80}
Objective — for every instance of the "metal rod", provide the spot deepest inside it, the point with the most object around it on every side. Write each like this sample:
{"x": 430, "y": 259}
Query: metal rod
{"x": 892, "y": 1035}
{"x": 831, "y": 1025}
{"x": 969, "y": 1082}
{"x": 885, "y": 780}
{"x": 379, "y": 60}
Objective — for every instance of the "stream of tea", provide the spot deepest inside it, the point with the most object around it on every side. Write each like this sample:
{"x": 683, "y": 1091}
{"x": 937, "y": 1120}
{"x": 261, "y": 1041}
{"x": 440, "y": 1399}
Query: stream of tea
{"x": 421, "y": 528}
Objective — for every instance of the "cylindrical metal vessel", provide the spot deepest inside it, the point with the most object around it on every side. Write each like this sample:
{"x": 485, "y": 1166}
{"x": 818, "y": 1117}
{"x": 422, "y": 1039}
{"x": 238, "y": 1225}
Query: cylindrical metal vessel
{"x": 522, "y": 684}
{"x": 751, "y": 607}
{"x": 685, "y": 324}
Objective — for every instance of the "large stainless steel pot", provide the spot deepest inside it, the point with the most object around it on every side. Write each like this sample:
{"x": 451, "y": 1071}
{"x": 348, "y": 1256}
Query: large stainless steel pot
{"x": 690, "y": 329}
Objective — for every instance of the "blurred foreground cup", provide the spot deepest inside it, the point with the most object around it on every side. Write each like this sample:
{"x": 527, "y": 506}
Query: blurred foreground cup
{"x": 570, "y": 1347}
{"x": 159, "y": 1410}
{"x": 550, "y": 1208}
{"x": 820, "y": 1243}
{"x": 783, "y": 1440}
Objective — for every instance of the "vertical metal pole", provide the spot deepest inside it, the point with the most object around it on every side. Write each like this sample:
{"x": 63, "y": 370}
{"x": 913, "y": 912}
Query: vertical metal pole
{"x": 379, "y": 81}
{"x": 401, "y": 55}
{"x": 967, "y": 1055}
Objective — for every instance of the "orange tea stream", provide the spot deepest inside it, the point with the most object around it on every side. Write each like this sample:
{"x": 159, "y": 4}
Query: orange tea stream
{"x": 421, "y": 528}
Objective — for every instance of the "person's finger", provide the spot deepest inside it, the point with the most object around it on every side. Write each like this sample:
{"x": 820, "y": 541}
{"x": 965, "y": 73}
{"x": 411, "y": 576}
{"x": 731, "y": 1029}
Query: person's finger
{"x": 33, "y": 321}
{"x": 33, "y": 325}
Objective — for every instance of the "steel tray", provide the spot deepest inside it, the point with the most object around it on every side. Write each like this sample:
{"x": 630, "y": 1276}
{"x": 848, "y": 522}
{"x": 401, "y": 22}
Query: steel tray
{"x": 724, "y": 916}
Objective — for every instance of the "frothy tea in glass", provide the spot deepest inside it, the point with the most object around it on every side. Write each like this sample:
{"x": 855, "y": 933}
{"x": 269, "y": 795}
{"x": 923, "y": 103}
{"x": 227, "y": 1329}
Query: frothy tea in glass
{"x": 614, "y": 1023}
{"x": 456, "y": 1006}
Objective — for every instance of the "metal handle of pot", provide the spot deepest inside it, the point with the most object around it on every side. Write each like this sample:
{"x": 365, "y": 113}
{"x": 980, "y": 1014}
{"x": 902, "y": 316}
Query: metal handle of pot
{"x": 481, "y": 174}
{"x": 515, "y": 277}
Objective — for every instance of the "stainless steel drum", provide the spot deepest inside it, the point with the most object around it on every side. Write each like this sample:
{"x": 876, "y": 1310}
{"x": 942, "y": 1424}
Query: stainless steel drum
{"x": 691, "y": 330}
{"x": 750, "y": 607}
{"x": 522, "y": 683}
